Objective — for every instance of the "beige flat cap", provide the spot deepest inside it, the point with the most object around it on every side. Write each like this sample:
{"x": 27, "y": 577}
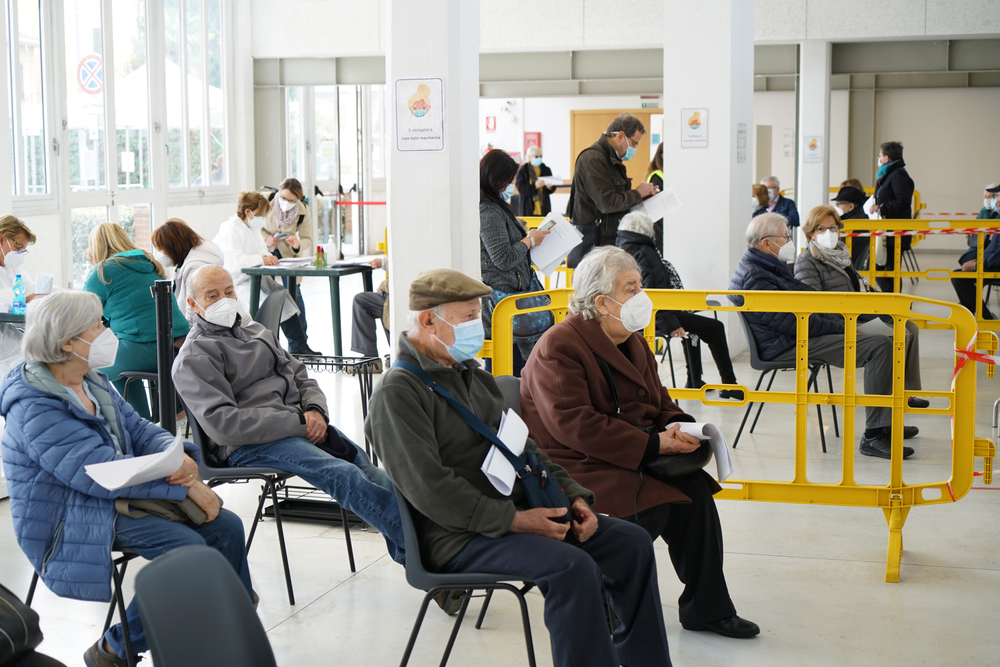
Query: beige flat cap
{"x": 436, "y": 286}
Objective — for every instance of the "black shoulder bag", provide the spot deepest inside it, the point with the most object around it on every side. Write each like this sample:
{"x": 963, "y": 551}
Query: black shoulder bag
{"x": 19, "y": 631}
{"x": 541, "y": 488}
{"x": 665, "y": 467}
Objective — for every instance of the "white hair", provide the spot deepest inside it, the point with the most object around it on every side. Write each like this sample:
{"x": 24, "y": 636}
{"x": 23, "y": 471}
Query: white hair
{"x": 637, "y": 222}
{"x": 53, "y": 320}
{"x": 777, "y": 183}
{"x": 597, "y": 274}
{"x": 532, "y": 152}
{"x": 413, "y": 326}
{"x": 763, "y": 226}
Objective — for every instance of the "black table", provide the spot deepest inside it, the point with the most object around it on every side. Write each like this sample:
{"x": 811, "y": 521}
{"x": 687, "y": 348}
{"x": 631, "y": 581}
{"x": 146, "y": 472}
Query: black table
{"x": 334, "y": 273}
{"x": 12, "y": 318}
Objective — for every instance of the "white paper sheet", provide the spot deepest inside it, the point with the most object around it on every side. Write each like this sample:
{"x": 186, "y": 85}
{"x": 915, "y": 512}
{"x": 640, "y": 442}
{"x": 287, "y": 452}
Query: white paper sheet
{"x": 659, "y": 205}
{"x": 295, "y": 261}
{"x": 513, "y": 432}
{"x": 114, "y": 475}
{"x": 720, "y": 448}
{"x": 867, "y": 208}
{"x": 549, "y": 181}
{"x": 562, "y": 238}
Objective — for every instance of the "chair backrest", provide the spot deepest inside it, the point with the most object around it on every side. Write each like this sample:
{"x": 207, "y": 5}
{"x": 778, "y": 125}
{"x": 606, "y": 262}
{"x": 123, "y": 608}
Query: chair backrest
{"x": 269, "y": 313}
{"x": 510, "y": 386}
{"x": 416, "y": 574}
{"x": 755, "y": 361}
{"x": 207, "y": 466}
{"x": 196, "y": 612}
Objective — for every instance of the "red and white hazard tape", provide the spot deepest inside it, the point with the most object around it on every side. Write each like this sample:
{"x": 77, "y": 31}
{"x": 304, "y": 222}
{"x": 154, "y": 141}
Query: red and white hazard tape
{"x": 925, "y": 232}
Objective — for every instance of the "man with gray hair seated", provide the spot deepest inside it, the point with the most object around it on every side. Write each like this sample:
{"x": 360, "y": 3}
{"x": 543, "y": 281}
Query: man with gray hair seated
{"x": 778, "y": 203}
{"x": 260, "y": 407}
{"x": 465, "y": 524}
{"x": 764, "y": 266}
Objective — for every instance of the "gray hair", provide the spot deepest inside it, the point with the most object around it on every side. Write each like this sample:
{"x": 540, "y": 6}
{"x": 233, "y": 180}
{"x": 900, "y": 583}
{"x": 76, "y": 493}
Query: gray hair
{"x": 777, "y": 183}
{"x": 627, "y": 123}
{"x": 413, "y": 326}
{"x": 637, "y": 222}
{"x": 764, "y": 226}
{"x": 597, "y": 274}
{"x": 53, "y": 320}
{"x": 537, "y": 150}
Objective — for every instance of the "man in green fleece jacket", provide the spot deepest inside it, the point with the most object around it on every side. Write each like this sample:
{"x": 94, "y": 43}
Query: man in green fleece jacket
{"x": 466, "y": 525}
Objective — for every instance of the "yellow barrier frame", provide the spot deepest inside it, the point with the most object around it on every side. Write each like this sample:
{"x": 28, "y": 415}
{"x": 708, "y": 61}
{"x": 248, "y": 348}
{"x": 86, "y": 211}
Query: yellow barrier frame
{"x": 897, "y": 273}
{"x": 896, "y": 498}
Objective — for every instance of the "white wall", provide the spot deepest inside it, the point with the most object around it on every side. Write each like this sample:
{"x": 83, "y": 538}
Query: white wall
{"x": 837, "y": 144}
{"x": 777, "y": 109}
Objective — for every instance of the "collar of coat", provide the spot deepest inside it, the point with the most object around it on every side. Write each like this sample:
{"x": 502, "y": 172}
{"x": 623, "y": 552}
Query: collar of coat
{"x": 768, "y": 262}
{"x": 428, "y": 365}
{"x": 597, "y": 341}
{"x": 895, "y": 165}
{"x": 606, "y": 146}
{"x": 202, "y": 327}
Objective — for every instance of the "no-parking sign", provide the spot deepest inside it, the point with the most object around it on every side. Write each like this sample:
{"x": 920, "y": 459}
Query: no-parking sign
{"x": 90, "y": 74}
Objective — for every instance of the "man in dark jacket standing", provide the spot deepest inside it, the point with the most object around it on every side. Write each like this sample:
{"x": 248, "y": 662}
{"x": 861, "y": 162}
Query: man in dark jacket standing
{"x": 764, "y": 267}
{"x": 778, "y": 203}
{"x": 893, "y": 197}
{"x": 602, "y": 191}
{"x": 850, "y": 202}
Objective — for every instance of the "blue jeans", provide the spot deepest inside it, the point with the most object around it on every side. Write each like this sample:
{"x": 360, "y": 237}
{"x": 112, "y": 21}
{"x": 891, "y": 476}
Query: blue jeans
{"x": 152, "y": 536}
{"x": 359, "y": 486}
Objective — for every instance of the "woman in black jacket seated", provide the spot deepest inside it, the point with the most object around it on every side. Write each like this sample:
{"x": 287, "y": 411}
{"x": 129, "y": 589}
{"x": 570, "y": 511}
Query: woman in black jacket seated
{"x": 635, "y": 236}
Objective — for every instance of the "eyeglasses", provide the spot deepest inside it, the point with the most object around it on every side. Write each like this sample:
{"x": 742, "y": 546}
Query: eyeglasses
{"x": 786, "y": 236}
{"x": 632, "y": 142}
{"x": 834, "y": 228}
{"x": 17, "y": 246}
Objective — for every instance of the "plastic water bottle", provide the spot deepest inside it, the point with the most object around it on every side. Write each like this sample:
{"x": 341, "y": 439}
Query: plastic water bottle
{"x": 18, "y": 307}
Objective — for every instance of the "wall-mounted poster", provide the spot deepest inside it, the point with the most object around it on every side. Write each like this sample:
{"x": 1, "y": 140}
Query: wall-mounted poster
{"x": 419, "y": 115}
{"x": 694, "y": 128}
{"x": 812, "y": 150}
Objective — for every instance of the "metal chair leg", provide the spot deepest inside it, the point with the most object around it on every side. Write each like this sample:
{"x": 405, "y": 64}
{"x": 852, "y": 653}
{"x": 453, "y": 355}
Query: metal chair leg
{"x": 281, "y": 540}
{"x": 833, "y": 408}
{"x": 670, "y": 359}
{"x": 257, "y": 516}
{"x": 118, "y": 576}
{"x": 454, "y": 630}
{"x": 416, "y": 626}
{"x": 747, "y": 413}
{"x": 31, "y": 589}
{"x": 760, "y": 407}
{"x": 527, "y": 627}
{"x": 347, "y": 536}
{"x": 814, "y": 384}
{"x": 482, "y": 612}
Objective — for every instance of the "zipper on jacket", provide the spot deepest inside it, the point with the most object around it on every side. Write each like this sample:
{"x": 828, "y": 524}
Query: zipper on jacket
{"x": 55, "y": 542}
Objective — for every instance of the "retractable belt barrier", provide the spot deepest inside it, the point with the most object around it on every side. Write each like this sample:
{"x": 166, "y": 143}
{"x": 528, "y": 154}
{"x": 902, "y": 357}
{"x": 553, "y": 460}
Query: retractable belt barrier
{"x": 895, "y": 498}
{"x": 918, "y": 229}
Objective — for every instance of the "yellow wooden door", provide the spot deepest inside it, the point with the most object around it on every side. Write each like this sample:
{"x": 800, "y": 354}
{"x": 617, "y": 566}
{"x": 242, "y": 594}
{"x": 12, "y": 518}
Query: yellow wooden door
{"x": 586, "y": 128}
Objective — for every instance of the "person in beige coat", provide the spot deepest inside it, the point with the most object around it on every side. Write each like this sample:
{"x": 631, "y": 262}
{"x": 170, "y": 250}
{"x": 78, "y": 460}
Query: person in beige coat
{"x": 288, "y": 232}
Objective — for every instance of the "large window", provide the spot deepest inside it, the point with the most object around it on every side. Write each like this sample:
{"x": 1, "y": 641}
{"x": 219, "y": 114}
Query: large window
{"x": 26, "y": 81}
{"x": 195, "y": 82}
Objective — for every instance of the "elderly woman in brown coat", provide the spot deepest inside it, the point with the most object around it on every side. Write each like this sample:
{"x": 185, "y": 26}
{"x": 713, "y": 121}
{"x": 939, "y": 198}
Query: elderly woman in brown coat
{"x": 572, "y": 415}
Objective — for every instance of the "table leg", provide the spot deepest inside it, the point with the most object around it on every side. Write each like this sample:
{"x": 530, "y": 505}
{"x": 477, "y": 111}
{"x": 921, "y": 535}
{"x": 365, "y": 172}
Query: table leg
{"x": 254, "y": 295}
{"x": 292, "y": 286}
{"x": 338, "y": 348}
{"x": 366, "y": 278}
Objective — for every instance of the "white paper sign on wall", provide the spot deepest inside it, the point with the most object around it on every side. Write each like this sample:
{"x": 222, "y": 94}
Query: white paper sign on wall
{"x": 694, "y": 128}
{"x": 812, "y": 150}
{"x": 419, "y": 115}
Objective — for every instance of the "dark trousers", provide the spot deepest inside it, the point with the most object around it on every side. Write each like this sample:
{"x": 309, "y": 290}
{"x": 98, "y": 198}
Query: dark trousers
{"x": 713, "y": 332}
{"x": 887, "y": 284}
{"x": 591, "y": 238}
{"x": 965, "y": 289}
{"x": 569, "y": 574}
{"x": 694, "y": 536}
{"x": 285, "y": 280}
{"x": 294, "y": 328}
{"x": 364, "y": 322}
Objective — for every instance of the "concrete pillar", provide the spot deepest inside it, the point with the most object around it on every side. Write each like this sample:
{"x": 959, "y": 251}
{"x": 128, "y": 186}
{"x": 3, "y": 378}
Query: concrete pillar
{"x": 433, "y": 195}
{"x": 708, "y": 64}
{"x": 814, "y": 128}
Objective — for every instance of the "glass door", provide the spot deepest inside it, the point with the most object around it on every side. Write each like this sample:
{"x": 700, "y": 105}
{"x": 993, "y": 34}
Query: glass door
{"x": 107, "y": 122}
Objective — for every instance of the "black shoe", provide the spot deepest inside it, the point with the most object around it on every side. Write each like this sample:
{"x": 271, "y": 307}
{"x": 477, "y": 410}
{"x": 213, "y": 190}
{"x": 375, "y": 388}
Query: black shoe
{"x": 96, "y": 656}
{"x": 735, "y": 394}
{"x": 449, "y": 601}
{"x": 910, "y": 432}
{"x": 915, "y": 402}
{"x": 734, "y": 626}
{"x": 881, "y": 447}
{"x": 698, "y": 384}
{"x": 305, "y": 352}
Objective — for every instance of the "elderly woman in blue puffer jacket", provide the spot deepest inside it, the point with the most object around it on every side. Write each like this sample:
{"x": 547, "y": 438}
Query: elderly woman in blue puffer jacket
{"x": 62, "y": 415}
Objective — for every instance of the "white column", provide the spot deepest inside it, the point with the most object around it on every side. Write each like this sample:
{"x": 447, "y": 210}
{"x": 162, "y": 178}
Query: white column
{"x": 705, "y": 238}
{"x": 814, "y": 126}
{"x": 433, "y": 196}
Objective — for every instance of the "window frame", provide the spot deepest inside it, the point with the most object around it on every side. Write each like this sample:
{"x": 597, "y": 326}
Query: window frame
{"x": 47, "y": 202}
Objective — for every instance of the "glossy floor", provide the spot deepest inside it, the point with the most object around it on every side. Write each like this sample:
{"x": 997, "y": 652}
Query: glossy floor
{"x": 811, "y": 576}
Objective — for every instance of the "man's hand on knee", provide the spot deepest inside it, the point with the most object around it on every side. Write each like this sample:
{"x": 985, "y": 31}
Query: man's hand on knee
{"x": 539, "y": 521}
{"x": 584, "y": 520}
{"x": 315, "y": 427}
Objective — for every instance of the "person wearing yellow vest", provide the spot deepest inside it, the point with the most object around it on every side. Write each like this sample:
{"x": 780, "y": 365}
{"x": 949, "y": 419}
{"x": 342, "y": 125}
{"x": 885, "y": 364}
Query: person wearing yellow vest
{"x": 654, "y": 175}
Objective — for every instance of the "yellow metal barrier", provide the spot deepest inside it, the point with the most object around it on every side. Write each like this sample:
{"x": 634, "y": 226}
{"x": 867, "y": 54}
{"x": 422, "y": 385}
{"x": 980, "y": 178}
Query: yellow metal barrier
{"x": 897, "y": 273}
{"x": 895, "y": 498}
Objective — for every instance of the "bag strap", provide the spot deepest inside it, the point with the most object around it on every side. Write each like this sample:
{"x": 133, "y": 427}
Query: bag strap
{"x": 467, "y": 416}
{"x": 606, "y": 371}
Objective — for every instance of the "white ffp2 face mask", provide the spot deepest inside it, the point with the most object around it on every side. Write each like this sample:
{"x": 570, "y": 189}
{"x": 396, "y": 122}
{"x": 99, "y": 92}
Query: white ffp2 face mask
{"x": 14, "y": 258}
{"x": 103, "y": 350}
{"x": 222, "y": 313}
{"x": 257, "y": 222}
{"x": 286, "y": 205}
{"x": 828, "y": 239}
{"x": 636, "y": 312}
{"x": 163, "y": 259}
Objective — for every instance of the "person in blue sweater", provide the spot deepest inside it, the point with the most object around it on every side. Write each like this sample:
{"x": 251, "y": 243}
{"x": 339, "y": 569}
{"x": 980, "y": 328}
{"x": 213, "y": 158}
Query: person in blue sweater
{"x": 765, "y": 267}
{"x": 122, "y": 277}
{"x": 62, "y": 415}
{"x": 965, "y": 288}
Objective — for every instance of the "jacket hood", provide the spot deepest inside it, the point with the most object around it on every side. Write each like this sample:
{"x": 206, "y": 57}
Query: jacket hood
{"x": 207, "y": 252}
{"x": 31, "y": 381}
{"x": 633, "y": 237}
{"x": 605, "y": 145}
{"x": 134, "y": 260}
{"x": 754, "y": 256}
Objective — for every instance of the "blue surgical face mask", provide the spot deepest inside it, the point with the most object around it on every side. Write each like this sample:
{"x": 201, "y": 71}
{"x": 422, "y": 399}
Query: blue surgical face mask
{"x": 991, "y": 203}
{"x": 508, "y": 192}
{"x": 536, "y": 162}
{"x": 629, "y": 150}
{"x": 469, "y": 337}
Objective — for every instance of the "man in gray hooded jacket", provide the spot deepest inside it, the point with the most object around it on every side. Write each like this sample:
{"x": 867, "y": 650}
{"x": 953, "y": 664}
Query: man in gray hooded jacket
{"x": 260, "y": 407}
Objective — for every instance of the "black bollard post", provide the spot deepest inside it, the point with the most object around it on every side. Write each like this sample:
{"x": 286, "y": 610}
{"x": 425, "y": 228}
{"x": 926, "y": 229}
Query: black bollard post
{"x": 164, "y": 295}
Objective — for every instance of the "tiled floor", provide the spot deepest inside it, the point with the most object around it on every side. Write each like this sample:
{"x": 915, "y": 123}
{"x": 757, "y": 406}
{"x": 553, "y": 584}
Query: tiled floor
{"x": 811, "y": 576}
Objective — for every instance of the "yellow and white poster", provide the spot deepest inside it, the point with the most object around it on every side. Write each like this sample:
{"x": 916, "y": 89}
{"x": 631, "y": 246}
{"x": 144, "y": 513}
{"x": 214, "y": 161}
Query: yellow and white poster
{"x": 419, "y": 115}
{"x": 694, "y": 128}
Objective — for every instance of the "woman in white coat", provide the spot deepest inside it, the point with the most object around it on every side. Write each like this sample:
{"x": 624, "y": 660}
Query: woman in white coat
{"x": 242, "y": 245}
